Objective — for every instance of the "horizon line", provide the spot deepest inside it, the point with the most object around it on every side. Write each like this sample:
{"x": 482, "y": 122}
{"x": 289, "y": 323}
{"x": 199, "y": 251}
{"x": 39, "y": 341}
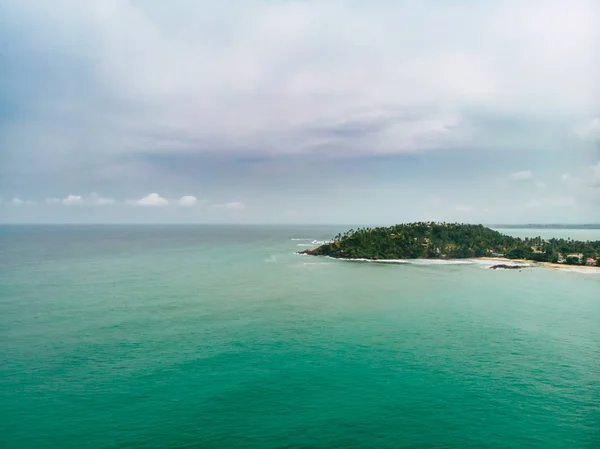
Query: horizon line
{"x": 491, "y": 225}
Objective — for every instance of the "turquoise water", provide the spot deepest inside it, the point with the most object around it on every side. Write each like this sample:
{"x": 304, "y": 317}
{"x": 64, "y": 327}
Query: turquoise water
{"x": 182, "y": 336}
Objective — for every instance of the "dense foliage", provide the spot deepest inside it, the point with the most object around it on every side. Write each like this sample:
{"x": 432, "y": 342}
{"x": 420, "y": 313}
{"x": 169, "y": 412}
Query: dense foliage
{"x": 452, "y": 241}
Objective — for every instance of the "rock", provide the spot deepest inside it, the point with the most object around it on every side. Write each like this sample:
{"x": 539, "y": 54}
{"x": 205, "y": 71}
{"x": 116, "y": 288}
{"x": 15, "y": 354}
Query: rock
{"x": 508, "y": 267}
{"x": 310, "y": 252}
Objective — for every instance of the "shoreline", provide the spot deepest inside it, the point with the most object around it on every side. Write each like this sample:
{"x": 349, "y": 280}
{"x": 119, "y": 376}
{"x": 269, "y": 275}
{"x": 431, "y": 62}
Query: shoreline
{"x": 501, "y": 260}
{"x": 541, "y": 264}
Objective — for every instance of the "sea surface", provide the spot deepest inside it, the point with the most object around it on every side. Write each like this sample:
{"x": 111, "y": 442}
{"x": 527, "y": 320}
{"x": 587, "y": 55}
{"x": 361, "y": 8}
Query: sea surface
{"x": 223, "y": 337}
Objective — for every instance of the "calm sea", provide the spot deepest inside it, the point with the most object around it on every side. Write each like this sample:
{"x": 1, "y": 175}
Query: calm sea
{"x": 222, "y": 337}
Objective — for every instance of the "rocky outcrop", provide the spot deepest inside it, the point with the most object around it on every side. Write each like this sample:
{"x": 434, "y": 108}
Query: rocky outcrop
{"x": 504, "y": 266}
{"x": 310, "y": 252}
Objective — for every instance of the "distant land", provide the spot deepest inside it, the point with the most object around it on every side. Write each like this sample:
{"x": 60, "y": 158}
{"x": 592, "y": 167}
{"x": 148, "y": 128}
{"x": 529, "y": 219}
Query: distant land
{"x": 430, "y": 240}
{"x": 545, "y": 226}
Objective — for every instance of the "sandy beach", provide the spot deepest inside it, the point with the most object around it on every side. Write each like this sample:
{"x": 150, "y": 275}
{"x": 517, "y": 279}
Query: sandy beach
{"x": 541, "y": 264}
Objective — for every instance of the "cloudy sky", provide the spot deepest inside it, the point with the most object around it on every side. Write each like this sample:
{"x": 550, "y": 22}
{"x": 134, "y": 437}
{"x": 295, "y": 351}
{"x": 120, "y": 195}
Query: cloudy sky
{"x": 300, "y": 111}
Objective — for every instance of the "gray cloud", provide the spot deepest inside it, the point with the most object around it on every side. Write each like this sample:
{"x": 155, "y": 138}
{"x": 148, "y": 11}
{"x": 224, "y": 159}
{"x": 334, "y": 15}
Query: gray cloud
{"x": 227, "y": 97}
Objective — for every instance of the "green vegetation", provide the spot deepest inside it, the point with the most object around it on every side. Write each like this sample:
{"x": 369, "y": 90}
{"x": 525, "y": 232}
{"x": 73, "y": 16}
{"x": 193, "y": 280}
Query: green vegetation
{"x": 450, "y": 241}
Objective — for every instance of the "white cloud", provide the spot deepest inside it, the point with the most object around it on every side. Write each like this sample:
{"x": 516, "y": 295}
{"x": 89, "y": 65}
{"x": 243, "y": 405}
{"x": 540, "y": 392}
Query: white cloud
{"x": 233, "y": 205}
{"x": 154, "y": 199}
{"x": 583, "y": 179}
{"x": 589, "y": 130}
{"x": 19, "y": 202}
{"x": 72, "y": 200}
{"x": 98, "y": 200}
{"x": 93, "y": 199}
{"x": 188, "y": 201}
{"x": 522, "y": 175}
{"x": 541, "y": 185}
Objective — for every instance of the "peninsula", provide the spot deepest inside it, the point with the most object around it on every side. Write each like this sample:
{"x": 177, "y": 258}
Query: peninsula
{"x": 430, "y": 240}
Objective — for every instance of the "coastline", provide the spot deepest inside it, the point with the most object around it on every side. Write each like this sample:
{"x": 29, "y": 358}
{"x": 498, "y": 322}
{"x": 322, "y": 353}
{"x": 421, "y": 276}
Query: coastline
{"x": 501, "y": 260}
{"x": 541, "y": 264}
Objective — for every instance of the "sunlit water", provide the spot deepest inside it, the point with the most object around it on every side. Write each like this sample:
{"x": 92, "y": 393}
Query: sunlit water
{"x": 182, "y": 336}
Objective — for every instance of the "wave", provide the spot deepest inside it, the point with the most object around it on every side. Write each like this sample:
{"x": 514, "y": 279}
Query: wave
{"x": 441, "y": 262}
{"x": 491, "y": 263}
{"x": 579, "y": 270}
{"x": 312, "y": 241}
{"x": 483, "y": 263}
{"x": 411, "y": 261}
{"x": 371, "y": 260}
{"x": 305, "y": 244}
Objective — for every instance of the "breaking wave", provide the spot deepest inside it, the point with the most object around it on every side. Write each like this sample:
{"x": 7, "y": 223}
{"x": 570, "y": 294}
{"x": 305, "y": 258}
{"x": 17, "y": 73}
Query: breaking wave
{"x": 491, "y": 263}
{"x": 579, "y": 270}
{"x": 398, "y": 261}
{"x": 483, "y": 263}
{"x": 441, "y": 262}
{"x": 313, "y": 242}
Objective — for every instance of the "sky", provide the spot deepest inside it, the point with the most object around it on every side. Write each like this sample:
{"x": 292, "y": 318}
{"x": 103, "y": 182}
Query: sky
{"x": 379, "y": 112}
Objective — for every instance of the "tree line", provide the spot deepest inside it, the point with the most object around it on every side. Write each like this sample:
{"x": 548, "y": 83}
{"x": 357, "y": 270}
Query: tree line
{"x": 450, "y": 240}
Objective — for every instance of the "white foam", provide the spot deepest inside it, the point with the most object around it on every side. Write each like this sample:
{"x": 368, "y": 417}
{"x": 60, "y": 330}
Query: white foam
{"x": 488, "y": 262}
{"x": 441, "y": 262}
{"x": 491, "y": 263}
{"x": 518, "y": 266}
{"x": 483, "y": 263}
{"x": 305, "y": 244}
{"x": 349, "y": 260}
{"x": 370, "y": 260}
{"x": 299, "y": 239}
{"x": 412, "y": 261}
{"x": 578, "y": 270}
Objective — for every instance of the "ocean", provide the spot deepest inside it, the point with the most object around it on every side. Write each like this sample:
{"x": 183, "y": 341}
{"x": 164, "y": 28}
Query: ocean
{"x": 223, "y": 337}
